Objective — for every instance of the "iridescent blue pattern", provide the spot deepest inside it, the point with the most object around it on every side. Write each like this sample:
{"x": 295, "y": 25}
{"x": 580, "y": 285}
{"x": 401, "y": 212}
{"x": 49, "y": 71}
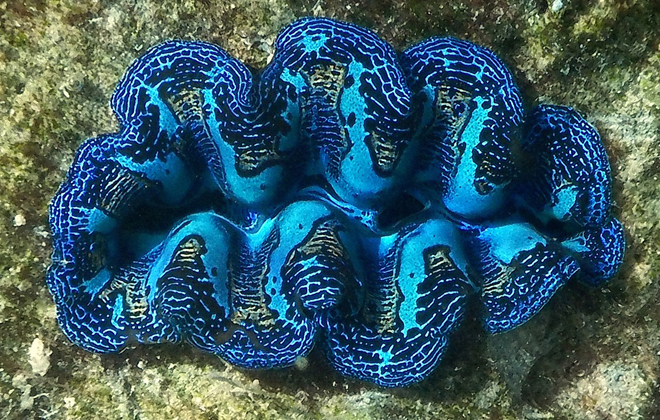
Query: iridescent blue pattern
{"x": 346, "y": 196}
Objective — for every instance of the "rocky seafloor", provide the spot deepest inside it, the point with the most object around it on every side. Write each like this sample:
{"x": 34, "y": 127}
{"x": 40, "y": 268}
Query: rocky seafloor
{"x": 590, "y": 354}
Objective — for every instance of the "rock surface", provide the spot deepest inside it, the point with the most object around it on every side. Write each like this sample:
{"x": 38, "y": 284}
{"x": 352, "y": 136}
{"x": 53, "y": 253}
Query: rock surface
{"x": 590, "y": 354}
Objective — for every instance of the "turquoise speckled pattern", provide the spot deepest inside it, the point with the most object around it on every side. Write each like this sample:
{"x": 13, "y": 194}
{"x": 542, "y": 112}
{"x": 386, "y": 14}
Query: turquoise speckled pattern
{"x": 345, "y": 195}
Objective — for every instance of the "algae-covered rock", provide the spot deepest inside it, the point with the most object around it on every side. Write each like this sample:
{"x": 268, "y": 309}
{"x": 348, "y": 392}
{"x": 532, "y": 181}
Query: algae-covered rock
{"x": 590, "y": 354}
